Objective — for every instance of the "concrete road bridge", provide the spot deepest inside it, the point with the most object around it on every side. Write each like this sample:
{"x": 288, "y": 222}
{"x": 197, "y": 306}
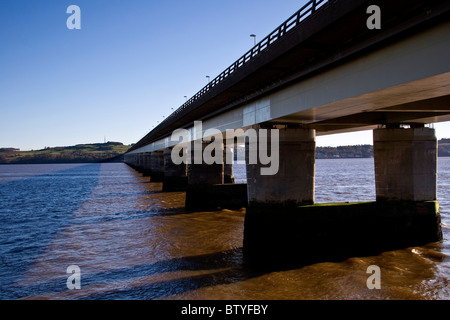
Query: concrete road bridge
{"x": 334, "y": 66}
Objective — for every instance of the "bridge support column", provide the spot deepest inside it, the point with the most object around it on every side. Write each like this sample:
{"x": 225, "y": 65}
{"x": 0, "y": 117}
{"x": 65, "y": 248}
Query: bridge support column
{"x": 140, "y": 162}
{"x": 293, "y": 183}
{"x": 201, "y": 173}
{"x": 406, "y": 176}
{"x": 146, "y": 167}
{"x": 228, "y": 176}
{"x": 206, "y": 189}
{"x": 271, "y": 228}
{"x": 405, "y": 164}
{"x": 175, "y": 175}
{"x": 156, "y": 166}
{"x": 134, "y": 161}
{"x": 129, "y": 160}
{"x": 404, "y": 215}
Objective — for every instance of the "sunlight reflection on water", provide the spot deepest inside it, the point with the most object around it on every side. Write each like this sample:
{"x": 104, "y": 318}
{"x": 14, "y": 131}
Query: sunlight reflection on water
{"x": 132, "y": 241}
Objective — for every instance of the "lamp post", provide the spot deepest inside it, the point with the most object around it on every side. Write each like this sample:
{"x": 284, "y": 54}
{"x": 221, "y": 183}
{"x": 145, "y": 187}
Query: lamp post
{"x": 254, "y": 39}
{"x": 207, "y": 77}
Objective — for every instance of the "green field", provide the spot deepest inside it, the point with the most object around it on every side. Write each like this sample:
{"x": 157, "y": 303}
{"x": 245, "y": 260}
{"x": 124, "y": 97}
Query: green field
{"x": 82, "y": 153}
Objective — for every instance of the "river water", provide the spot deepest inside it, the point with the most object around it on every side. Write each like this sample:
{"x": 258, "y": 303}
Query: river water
{"x": 131, "y": 241}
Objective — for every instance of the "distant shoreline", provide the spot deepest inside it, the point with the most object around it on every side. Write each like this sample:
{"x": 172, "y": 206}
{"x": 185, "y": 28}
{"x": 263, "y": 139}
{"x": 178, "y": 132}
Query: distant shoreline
{"x": 83, "y": 153}
{"x": 114, "y": 151}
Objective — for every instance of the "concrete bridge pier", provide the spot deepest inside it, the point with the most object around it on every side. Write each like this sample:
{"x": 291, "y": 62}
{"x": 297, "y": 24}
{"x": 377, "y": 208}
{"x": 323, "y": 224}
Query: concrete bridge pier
{"x": 129, "y": 160}
{"x": 134, "y": 161}
{"x": 146, "y": 161}
{"x": 209, "y": 188}
{"x": 156, "y": 166}
{"x": 280, "y": 228}
{"x": 140, "y": 162}
{"x": 293, "y": 182}
{"x": 405, "y": 164}
{"x": 272, "y": 224}
{"x": 175, "y": 175}
{"x": 228, "y": 176}
{"x": 201, "y": 173}
{"x": 406, "y": 175}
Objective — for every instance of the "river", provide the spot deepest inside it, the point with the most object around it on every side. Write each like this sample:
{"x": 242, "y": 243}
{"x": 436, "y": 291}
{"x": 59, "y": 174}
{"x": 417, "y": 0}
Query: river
{"x": 131, "y": 241}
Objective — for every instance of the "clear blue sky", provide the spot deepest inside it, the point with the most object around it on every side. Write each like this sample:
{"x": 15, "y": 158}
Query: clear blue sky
{"x": 131, "y": 62}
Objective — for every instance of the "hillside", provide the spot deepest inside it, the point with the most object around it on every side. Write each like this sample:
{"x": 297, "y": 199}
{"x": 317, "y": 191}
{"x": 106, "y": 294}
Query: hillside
{"x": 82, "y": 153}
{"x": 113, "y": 152}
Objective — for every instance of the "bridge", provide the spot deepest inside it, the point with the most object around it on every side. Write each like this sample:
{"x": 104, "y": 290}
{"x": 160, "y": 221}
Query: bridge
{"x": 324, "y": 70}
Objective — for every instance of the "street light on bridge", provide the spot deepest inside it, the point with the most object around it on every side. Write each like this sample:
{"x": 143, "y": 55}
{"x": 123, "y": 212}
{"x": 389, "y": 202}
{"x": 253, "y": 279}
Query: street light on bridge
{"x": 254, "y": 39}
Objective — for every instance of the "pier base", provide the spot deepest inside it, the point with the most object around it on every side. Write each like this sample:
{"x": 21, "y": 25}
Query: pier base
{"x": 146, "y": 165}
{"x": 228, "y": 176}
{"x": 140, "y": 162}
{"x": 157, "y": 166}
{"x": 175, "y": 175}
{"x": 324, "y": 232}
{"x": 203, "y": 179}
{"x": 216, "y": 197}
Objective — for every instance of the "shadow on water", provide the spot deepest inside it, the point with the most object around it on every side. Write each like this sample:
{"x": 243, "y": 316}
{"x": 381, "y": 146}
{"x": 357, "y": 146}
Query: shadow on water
{"x": 32, "y": 211}
{"x": 222, "y": 268}
{"x": 126, "y": 194}
{"x": 214, "y": 264}
{"x": 130, "y": 215}
{"x": 230, "y": 260}
{"x": 219, "y": 268}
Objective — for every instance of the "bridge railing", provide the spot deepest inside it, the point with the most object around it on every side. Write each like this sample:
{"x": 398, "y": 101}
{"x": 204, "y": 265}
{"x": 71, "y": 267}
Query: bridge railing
{"x": 306, "y": 11}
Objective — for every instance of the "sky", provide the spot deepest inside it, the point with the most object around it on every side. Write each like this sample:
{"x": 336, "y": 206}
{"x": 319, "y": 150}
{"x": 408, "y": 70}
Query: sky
{"x": 123, "y": 71}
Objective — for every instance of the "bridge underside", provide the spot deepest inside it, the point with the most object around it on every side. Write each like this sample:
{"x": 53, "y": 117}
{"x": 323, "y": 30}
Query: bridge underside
{"x": 432, "y": 110}
{"x": 284, "y": 225}
{"x": 419, "y": 102}
{"x": 334, "y": 74}
{"x": 404, "y": 83}
{"x": 396, "y": 78}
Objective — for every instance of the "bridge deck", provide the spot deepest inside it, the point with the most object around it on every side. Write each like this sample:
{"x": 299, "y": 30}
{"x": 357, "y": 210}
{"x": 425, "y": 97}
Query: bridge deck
{"x": 321, "y": 40}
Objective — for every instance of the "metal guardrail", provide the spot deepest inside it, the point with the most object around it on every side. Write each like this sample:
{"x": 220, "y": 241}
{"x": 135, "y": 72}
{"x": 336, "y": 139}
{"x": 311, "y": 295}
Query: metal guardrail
{"x": 306, "y": 11}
